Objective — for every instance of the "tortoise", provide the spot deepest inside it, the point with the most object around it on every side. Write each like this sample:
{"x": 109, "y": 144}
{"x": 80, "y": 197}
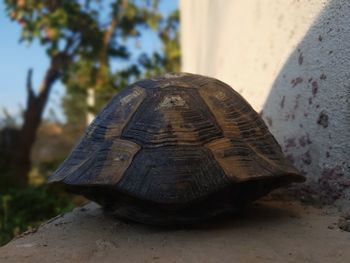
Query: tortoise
{"x": 176, "y": 149}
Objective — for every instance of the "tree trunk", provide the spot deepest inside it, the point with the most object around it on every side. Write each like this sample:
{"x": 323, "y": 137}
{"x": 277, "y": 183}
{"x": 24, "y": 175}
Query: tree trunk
{"x": 21, "y": 164}
{"x": 103, "y": 65}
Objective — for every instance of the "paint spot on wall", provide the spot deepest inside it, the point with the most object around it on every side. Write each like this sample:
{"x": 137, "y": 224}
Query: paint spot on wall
{"x": 296, "y": 81}
{"x": 290, "y": 157}
{"x": 304, "y": 140}
{"x": 314, "y": 87}
{"x": 300, "y": 58}
{"x": 333, "y": 183}
{"x": 306, "y": 158}
{"x": 290, "y": 142}
{"x": 282, "y": 102}
{"x": 333, "y": 173}
{"x": 296, "y": 104}
{"x": 323, "y": 119}
{"x": 323, "y": 76}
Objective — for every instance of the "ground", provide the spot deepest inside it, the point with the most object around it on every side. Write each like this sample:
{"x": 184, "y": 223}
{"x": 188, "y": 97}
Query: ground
{"x": 268, "y": 231}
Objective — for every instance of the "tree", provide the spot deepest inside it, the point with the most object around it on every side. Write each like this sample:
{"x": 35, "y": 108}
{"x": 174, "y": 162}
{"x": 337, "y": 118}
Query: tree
{"x": 80, "y": 44}
{"x": 169, "y": 60}
{"x": 147, "y": 65}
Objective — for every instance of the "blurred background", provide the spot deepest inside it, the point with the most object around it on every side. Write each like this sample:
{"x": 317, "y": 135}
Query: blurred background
{"x": 61, "y": 61}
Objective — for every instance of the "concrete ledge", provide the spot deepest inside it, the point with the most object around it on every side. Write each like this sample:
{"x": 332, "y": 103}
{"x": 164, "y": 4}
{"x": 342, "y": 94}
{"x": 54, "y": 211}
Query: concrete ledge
{"x": 267, "y": 232}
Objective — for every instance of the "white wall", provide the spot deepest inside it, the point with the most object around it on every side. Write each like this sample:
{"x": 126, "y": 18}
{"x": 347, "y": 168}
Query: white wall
{"x": 289, "y": 59}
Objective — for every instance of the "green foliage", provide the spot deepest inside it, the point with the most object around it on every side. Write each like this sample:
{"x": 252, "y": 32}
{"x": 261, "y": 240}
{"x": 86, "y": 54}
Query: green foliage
{"x": 86, "y": 73}
{"x": 8, "y": 145}
{"x": 169, "y": 60}
{"x": 82, "y": 37}
{"x": 26, "y": 208}
{"x": 169, "y": 34}
{"x": 8, "y": 121}
{"x": 88, "y": 34}
{"x": 22, "y": 209}
{"x": 56, "y": 23}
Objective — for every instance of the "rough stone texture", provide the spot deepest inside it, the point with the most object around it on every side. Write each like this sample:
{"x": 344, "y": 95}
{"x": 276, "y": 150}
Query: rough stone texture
{"x": 290, "y": 59}
{"x": 267, "y": 232}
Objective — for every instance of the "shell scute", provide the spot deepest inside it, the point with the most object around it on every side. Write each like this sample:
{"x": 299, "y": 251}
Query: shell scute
{"x": 173, "y": 174}
{"x": 172, "y": 116}
{"x": 84, "y": 164}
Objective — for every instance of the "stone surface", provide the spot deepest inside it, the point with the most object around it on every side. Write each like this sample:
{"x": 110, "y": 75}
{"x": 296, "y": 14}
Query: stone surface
{"x": 267, "y": 232}
{"x": 290, "y": 59}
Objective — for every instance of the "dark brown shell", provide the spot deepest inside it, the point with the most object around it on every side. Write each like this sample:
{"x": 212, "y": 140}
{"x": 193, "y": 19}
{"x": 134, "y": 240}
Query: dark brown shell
{"x": 173, "y": 142}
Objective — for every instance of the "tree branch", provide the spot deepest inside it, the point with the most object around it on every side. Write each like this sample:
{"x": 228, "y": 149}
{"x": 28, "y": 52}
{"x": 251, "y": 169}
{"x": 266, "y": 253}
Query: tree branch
{"x": 29, "y": 83}
{"x": 103, "y": 54}
{"x": 109, "y": 33}
{"x": 51, "y": 75}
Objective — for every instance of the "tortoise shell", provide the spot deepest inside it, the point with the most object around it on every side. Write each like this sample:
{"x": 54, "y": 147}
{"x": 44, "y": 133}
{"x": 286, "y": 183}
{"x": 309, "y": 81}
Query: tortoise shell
{"x": 176, "y": 149}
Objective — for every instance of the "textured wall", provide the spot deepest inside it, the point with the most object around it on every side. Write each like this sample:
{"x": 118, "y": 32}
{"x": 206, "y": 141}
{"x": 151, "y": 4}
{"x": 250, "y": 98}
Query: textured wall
{"x": 290, "y": 60}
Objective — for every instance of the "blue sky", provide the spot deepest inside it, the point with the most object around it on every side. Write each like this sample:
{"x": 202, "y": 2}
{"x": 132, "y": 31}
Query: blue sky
{"x": 17, "y": 58}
